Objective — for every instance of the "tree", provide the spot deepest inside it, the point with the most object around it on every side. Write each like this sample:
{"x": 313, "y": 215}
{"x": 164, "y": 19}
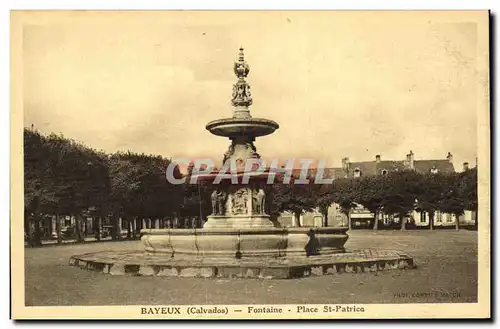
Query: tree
{"x": 65, "y": 177}
{"x": 323, "y": 200}
{"x": 468, "y": 191}
{"x": 372, "y": 195}
{"x": 345, "y": 194}
{"x": 40, "y": 190}
{"x": 342, "y": 192}
{"x": 401, "y": 189}
{"x": 140, "y": 189}
{"x": 196, "y": 198}
{"x": 125, "y": 187}
{"x": 451, "y": 199}
{"x": 432, "y": 191}
{"x": 82, "y": 180}
{"x": 296, "y": 198}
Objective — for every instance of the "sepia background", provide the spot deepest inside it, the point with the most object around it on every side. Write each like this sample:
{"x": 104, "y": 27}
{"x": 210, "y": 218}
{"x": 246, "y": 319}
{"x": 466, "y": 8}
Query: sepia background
{"x": 340, "y": 84}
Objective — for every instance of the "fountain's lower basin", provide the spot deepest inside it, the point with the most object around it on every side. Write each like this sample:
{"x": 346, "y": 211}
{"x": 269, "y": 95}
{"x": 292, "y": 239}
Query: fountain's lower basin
{"x": 247, "y": 242}
{"x": 265, "y": 253}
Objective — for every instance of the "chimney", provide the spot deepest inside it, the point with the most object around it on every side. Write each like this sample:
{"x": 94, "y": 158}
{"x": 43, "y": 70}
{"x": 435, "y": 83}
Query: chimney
{"x": 449, "y": 157}
{"x": 345, "y": 163}
{"x": 466, "y": 166}
{"x": 377, "y": 158}
{"x": 410, "y": 160}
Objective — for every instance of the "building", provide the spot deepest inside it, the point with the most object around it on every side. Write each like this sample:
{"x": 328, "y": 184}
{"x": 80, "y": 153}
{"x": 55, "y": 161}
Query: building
{"x": 363, "y": 218}
{"x": 383, "y": 167}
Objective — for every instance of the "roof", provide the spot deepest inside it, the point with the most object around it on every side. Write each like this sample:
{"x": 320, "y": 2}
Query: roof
{"x": 334, "y": 173}
{"x": 367, "y": 168}
{"x": 425, "y": 166}
{"x": 390, "y": 166}
{"x": 370, "y": 168}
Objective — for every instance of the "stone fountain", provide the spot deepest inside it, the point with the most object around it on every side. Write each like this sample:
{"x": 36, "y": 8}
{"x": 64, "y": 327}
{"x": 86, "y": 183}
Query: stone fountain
{"x": 239, "y": 239}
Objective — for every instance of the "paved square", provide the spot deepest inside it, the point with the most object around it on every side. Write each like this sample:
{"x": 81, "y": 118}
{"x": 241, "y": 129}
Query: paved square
{"x": 446, "y": 259}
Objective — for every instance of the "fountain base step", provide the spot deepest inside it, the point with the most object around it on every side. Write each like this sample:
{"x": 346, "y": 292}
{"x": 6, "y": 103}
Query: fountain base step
{"x": 160, "y": 265}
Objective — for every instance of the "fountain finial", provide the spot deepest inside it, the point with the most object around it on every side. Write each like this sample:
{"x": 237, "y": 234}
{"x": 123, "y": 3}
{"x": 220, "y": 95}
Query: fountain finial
{"x": 242, "y": 97}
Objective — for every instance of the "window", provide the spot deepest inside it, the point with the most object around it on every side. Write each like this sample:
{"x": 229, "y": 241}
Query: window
{"x": 439, "y": 217}
{"x": 357, "y": 172}
{"x": 384, "y": 172}
{"x": 448, "y": 218}
{"x": 423, "y": 217}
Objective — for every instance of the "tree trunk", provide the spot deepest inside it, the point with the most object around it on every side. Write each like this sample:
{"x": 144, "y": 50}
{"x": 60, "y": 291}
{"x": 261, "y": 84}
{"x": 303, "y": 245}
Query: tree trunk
{"x": 297, "y": 218}
{"x": 85, "y": 230}
{"x": 97, "y": 228}
{"x": 115, "y": 221}
{"x": 134, "y": 228}
{"x": 431, "y": 220}
{"x": 58, "y": 229}
{"x": 349, "y": 222}
{"x": 27, "y": 228}
{"x": 403, "y": 222}
{"x": 37, "y": 236}
{"x": 375, "y": 225}
{"x": 324, "y": 213}
{"x": 475, "y": 219}
{"x": 79, "y": 228}
{"x": 119, "y": 227}
{"x": 457, "y": 222}
{"x": 129, "y": 228}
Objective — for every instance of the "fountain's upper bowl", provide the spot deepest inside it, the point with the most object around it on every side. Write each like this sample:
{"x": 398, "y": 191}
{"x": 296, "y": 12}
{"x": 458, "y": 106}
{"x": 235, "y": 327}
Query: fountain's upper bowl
{"x": 234, "y": 127}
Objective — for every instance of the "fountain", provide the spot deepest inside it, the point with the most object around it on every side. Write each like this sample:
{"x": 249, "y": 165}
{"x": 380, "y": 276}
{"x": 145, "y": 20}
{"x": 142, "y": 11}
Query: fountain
{"x": 239, "y": 239}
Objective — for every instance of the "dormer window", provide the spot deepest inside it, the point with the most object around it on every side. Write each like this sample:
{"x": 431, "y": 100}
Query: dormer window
{"x": 384, "y": 172}
{"x": 357, "y": 172}
{"x": 434, "y": 170}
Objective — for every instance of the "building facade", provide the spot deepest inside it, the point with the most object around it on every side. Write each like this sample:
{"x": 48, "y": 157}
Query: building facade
{"x": 362, "y": 217}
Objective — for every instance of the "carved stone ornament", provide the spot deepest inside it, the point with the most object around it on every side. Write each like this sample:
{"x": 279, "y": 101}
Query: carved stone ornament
{"x": 242, "y": 96}
{"x": 241, "y": 68}
{"x": 239, "y": 202}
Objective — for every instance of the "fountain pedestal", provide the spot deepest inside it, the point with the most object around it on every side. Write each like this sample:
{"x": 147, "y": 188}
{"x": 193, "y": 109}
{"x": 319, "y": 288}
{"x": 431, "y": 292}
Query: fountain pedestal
{"x": 239, "y": 221}
{"x": 239, "y": 207}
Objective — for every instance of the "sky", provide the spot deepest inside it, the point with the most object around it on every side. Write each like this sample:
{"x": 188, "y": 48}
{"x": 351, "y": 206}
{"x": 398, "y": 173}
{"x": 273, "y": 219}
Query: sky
{"x": 339, "y": 84}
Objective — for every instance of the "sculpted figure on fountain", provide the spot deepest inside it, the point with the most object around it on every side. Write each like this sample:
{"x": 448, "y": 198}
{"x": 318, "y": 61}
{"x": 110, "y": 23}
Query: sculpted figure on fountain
{"x": 214, "y": 202}
{"x": 221, "y": 201}
{"x": 218, "y": 202}
{"x": 239, "y": 202}
{"x": 258, "y": 198}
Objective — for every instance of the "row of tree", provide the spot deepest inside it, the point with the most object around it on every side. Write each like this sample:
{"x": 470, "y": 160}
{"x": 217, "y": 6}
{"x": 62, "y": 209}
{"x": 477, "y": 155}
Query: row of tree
{"x": 397, "y": 193}
{"x": 63, "y": 177}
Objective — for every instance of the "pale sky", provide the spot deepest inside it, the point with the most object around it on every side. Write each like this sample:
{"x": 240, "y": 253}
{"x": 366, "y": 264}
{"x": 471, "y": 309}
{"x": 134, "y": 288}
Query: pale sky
{"x": 339, "y": 84}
